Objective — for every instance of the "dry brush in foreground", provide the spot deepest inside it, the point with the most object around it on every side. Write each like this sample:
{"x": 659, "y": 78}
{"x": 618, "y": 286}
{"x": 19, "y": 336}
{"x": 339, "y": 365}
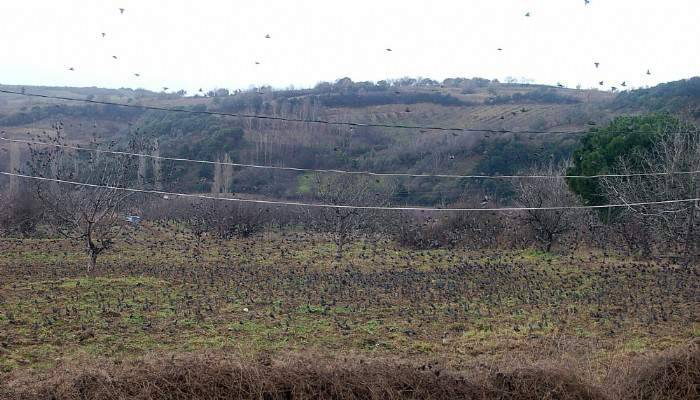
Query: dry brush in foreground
{"x": 673, "y": 374}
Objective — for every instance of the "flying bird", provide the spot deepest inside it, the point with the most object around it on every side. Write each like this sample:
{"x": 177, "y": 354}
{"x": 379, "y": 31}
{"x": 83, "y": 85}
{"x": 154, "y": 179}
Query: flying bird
{"x": 104, "y": 34}
{"x": 121, "y": 11}
{"x": 388, "y": 49}
{"x": 137, "y": 75}
{"x": 597, "y": 64}
{"x": 648, "y": 72}
{"x": 114, "y": 57}
{"x": 623, "y": 84}
{"x": 560, "y": 85}
{"x": 601, "y": 83}
{"x": 267, "y": 36}
{"x": 499, "y": 49}
{"x": 71, "y": 69}
{"x": 165, "y": 88}
{"x": 257, "y": 63}
{"x": 527, "y": 14}
{"x": 587, "y": 2}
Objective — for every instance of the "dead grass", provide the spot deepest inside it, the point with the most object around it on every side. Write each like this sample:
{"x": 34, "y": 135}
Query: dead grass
{"x": 674, "y": 374}
{"x": 670, "y": 375}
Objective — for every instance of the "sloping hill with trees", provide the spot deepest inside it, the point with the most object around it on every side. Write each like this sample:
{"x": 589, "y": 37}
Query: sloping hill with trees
{"x": 459, "y": 102}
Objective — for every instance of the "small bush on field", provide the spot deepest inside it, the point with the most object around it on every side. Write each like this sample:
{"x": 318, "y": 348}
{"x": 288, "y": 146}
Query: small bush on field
{"x": 470, "y": 230}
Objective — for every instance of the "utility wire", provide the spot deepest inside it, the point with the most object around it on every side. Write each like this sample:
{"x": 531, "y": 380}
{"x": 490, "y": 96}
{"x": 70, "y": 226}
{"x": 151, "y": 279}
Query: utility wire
{"x": 286, "y": 119}
{"x": 339, "y": 171}
{"x": 342, "y": 206}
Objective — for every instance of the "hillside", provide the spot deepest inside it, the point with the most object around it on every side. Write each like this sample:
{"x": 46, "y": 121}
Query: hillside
{"x": 470, "y": 103}
{"x": 677, "y": 97}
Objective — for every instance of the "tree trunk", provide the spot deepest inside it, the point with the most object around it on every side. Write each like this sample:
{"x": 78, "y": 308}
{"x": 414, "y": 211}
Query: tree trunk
{"x": 339, "y": 242}
{"x": 93, "y": 261}
{"x": 550, "y": 242}
{"x": 91, "y": 249}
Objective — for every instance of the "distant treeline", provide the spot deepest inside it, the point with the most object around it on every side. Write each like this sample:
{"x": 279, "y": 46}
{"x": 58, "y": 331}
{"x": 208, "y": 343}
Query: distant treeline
{"x": 377, "y": 99}
{"x": 92, "y": 111}
{"x": 542, "y": 96}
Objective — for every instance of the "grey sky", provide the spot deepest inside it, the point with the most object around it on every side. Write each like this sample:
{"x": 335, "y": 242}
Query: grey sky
{"x": 208, "y": 43}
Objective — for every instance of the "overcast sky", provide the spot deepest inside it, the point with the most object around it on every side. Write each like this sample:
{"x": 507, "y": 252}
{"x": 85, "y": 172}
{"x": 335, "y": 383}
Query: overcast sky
{"x": 186, "y": 44}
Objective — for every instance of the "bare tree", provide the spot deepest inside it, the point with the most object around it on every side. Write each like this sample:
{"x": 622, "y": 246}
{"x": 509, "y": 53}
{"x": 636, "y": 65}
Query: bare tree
{"x": 15, "y": 157}
{"x": 223, "y": 175}
{"x": 223, "y": 219}
{"x": 157, "y": 166}
{"x": 351, "y": 190}
{"x": 676, "y": 223}
{"x": 547, "y": 225}
{"x": 91, "y": 215}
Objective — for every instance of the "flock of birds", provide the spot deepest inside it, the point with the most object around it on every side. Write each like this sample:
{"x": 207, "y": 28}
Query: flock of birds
{"x": 595, "y": 63}
{"x": 389, "y": 49}
{"x": 104, "y": 35}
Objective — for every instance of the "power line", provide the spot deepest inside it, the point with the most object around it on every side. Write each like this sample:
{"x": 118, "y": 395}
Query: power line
{"x": 286, "y": 119}
{"x": 342, "y": 206}
{"x": 339, "y": 171}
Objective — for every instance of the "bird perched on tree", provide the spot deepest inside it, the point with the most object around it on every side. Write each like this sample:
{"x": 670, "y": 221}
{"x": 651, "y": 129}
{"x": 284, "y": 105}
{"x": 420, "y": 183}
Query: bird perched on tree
{"x": 560, "y": 85}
